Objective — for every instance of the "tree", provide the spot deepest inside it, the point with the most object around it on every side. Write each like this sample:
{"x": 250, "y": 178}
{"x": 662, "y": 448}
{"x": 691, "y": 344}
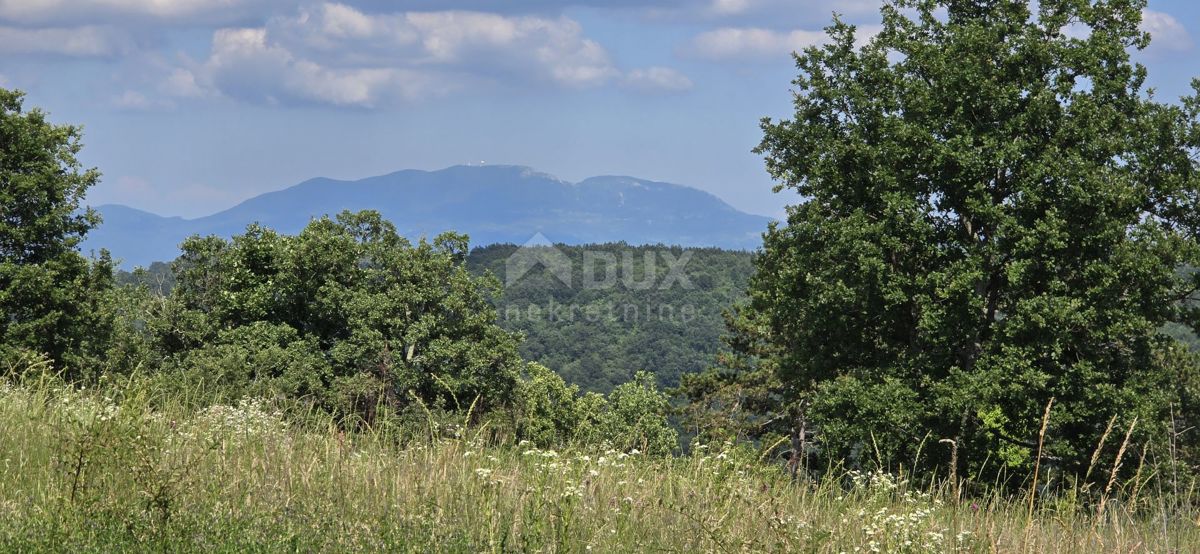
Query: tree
{"x": 993, "y": 211}
{"x": 347, "y": 314}
{"x": 50, "y": 295}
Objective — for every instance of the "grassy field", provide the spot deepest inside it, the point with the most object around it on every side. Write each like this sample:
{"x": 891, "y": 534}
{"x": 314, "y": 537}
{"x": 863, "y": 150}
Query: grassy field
{"x": 80, "y": 472}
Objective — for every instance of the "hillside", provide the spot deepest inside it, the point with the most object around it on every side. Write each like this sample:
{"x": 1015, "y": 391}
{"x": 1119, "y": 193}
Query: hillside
{"x": 598, "y": 336}
{"x": 492, "y": 204}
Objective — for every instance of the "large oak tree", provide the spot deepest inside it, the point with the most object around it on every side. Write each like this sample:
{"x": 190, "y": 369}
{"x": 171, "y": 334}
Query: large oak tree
{"x": 992, "y": 211}
{"x": 50, "y": 295}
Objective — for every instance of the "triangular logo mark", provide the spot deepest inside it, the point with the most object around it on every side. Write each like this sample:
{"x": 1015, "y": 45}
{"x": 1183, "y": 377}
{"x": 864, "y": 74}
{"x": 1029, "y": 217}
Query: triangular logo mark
{"x": 538, "y": 250}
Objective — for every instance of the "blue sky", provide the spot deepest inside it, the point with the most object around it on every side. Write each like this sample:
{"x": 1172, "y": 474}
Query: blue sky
{"x": 190, "y": 106}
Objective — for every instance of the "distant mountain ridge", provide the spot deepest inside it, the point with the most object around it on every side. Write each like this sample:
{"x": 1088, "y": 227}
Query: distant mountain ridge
{"x": 493, "y": 204}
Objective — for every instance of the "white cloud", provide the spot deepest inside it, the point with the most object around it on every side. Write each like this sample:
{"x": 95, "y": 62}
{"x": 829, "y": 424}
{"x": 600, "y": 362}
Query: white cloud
{"x": 245, "y": 64}
{"x": 730, "y": 7}
{"x": 742, "y": 43}
{"x": 553, "y": 49}
{"x": 749, "y": 43}
{"x": 182, "y": 83}
{"x": 87, "y": 41}
{"x": 657, "y": 79}
{"x": 335, "y": 54}
{"x": 1166, "y": 32}
{"x": 136, "y": 101}
{"x": 779, "y": 14}
{"x": 59, "y": 11}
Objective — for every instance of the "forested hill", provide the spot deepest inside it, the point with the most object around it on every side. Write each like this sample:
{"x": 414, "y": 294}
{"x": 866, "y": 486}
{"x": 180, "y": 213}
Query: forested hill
{"x": 598, "y": 336}
{"x": 614, "y": 318}
{"x": 598, "y": 333}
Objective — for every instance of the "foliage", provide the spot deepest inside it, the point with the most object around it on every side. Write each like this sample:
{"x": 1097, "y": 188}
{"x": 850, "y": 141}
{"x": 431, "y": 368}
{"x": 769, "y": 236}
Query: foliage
{"x": 632, "y": 329}
{"x": 598, "y": 336}
{"x": 552, "y": 412}
{"x": 347, "y": 315}
{"x": 50, "y": 295}
{"x": 633, "y": 417}
{"x": 992, "y": 214}
{"x": 99, "y": 470}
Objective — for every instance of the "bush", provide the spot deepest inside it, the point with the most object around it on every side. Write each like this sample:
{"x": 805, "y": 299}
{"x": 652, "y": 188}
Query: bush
{"x": 636, "y": 418}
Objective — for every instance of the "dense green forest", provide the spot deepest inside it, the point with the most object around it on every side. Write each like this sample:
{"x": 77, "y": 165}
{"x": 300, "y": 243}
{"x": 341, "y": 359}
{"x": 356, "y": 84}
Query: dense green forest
{"x": 598, "y": 337}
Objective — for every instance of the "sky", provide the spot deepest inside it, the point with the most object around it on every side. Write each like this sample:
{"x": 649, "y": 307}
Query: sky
{"x": 190, "y": 106}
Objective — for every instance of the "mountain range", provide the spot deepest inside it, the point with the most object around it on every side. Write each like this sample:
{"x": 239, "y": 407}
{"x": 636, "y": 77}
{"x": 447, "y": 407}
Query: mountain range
{"x": 492, "y": 203}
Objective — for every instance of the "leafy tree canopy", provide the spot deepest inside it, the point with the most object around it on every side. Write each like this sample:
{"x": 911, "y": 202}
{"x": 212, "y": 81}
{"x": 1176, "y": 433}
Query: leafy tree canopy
{"x": 347, "y": 313}
{"x": 49, "y": 294}
{"x": 993, "y": 212}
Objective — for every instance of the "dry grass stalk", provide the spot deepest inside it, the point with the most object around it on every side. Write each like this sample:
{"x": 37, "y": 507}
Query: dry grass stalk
{"x": 1038, "y": 461}
{"x": 1112, "y": 476}
{"x": 1137, "y": 478}
{"x": 1099, "y": 448}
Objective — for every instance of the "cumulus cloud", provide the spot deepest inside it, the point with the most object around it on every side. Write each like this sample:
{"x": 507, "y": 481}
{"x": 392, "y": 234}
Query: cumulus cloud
{"x": 728, "y": 7}
{"x": 1166, "y": 32}
{"x": 336, "y": 54}
{"x": 181, "y": 83}
{"x": 790, "y": 8}
{"x": 50, "y": 12}
{"x": 741, "y": 43}
{"x": 363, "y": 53}
{"x": 133, "y": 100}
{"x": 752, "y": 43}
{"x": 247, "y": 64}
{"x": 758, "y": 13}
{"x": 657, "y": 79}
{"x": 214, "y": 13}
{"x": 553, "y": 49}
{"x": 88, "y": 41}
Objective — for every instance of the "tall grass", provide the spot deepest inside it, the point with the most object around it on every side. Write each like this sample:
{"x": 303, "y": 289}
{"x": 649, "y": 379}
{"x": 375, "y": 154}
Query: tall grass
{"x": 84, "y": 472}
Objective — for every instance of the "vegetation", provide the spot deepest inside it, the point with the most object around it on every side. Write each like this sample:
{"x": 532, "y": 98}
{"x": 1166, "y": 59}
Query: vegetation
{"x": 598, "y": 333}
{"x": 960, "y": 341}
{"x": 993, "y": 218}
{"x": 598, "y": 337}
{"x": 49, "y": 293}
{"x": 87, "y": 473}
